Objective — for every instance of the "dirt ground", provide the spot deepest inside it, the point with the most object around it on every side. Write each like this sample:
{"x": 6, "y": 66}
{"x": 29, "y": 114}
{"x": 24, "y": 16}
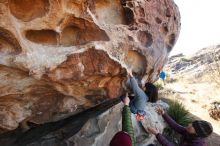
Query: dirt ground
{"x": 197, "y": 97}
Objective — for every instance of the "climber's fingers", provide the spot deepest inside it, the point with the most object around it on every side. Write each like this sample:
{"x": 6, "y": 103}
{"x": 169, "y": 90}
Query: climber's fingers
{"x": 126, "y": 100}
{"x": 130, "y": 72}
{"x": 159, "y": 110}
{"x": 152, "y": 130}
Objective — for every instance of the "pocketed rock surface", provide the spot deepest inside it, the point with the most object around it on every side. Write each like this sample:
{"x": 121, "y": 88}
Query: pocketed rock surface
{"x": 60, "y": 57}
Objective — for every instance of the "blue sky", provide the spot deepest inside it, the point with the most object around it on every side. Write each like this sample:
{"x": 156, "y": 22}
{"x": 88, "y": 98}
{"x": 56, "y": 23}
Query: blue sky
{"x": 200, "y": 25}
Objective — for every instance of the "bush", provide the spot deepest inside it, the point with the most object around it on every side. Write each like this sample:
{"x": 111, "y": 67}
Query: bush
{"x": 178, "y": 112}
{"x": 214, "y": 111}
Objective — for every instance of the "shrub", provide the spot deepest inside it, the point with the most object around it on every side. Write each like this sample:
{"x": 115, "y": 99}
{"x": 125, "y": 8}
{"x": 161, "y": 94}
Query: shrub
{"x": 214, "y": 111}
{"x": 182, "y": 116}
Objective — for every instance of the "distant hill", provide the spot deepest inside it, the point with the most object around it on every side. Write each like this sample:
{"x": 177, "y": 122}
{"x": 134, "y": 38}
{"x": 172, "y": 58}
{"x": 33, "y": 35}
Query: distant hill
{"x": 195, "y": 65}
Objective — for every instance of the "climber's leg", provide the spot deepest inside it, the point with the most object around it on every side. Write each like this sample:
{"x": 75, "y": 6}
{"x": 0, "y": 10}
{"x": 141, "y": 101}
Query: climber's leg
{"x": 138, "y": 92}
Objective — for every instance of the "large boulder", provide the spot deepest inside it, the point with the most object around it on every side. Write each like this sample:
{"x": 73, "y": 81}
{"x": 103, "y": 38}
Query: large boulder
{"x": 100, "y": 130}
{"x": 60, "y": 57}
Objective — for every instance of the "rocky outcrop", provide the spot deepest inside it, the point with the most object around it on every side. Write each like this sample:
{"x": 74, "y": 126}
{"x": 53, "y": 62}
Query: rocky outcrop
{"x": 98, "y": 131}
{"x": 58, "y": 58}
{"x": 204, "y": 61}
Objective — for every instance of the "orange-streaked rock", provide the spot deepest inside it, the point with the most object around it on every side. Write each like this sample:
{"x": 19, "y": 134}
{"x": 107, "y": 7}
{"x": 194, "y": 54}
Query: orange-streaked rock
{"x": 58, "y": 58}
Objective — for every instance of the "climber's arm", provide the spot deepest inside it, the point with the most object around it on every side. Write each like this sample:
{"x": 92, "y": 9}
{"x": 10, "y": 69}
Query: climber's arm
{"x": 163, "y": 141}
{"x": 178, "y": 128}
{"x": 126, "y": 120}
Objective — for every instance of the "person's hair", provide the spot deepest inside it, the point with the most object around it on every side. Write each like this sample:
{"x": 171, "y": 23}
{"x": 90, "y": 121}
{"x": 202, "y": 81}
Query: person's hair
{"x": 151, "y": 91}
{"x": 121, "y": 139}
{"x": 202, "y": 128}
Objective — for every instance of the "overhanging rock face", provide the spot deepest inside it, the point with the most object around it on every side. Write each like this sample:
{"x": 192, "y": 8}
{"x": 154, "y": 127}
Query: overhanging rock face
{"x": 60, "y": 57}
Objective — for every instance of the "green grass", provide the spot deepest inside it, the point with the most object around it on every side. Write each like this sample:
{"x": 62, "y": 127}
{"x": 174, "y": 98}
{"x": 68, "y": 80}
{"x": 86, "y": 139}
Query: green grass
{"x": 178, "y": 112}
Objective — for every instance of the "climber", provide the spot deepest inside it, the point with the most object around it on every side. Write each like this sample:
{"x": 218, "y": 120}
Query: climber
{"x": 126, "y": 136}
{"x": 192, "y": 135}
{"x": 141, "y": 97}
{"x": 163, "y": 76}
